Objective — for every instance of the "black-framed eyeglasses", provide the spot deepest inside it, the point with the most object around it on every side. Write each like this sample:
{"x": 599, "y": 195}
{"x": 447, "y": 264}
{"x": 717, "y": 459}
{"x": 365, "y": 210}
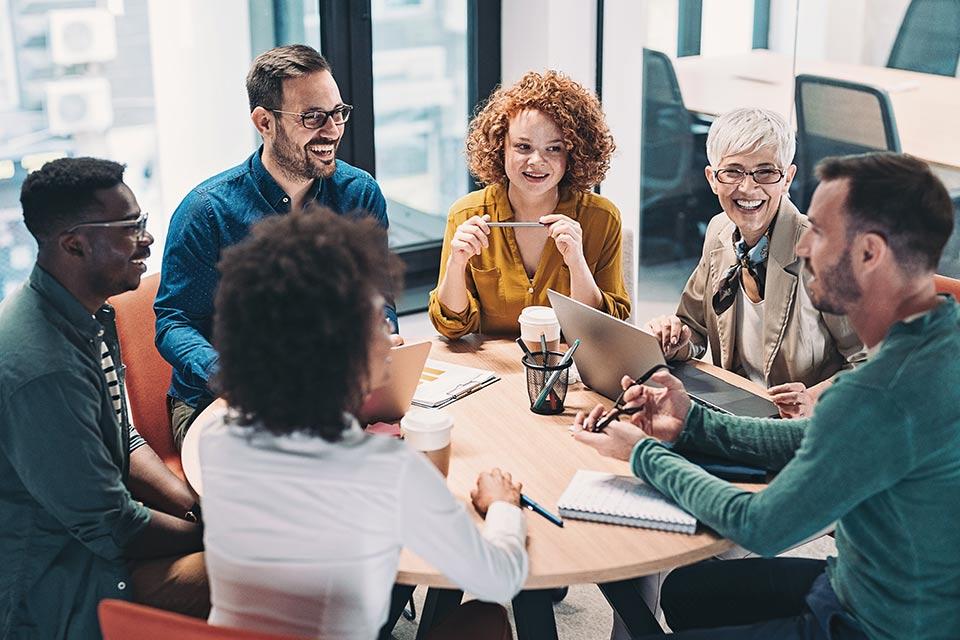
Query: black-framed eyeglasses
{"x": 618, "y": 405}
{"x": 760, "y": 176}
{"x": 138, "y": 225}
{"x": 316, "y": 119}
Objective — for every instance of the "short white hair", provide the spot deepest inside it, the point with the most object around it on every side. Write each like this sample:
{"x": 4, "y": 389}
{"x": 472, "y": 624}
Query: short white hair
{"x": 749, "y": 130}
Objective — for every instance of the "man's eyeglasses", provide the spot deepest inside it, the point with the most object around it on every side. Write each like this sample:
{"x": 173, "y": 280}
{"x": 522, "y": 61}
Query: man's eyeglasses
{"x": 316, "y": 119}
{"x": 760, "y": 176}
{"x": 138, "y": 225}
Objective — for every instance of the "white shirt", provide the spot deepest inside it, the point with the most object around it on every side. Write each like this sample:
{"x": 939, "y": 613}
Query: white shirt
{"x": 750, "y": 337}
{"x": 303, "y": 536}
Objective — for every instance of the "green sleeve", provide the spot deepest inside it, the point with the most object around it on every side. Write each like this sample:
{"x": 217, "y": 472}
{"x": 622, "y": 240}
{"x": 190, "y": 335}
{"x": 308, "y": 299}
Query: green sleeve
{"x": 834, "y": 469}
{"x": 53, "y": 439}
{"x": 761, "y": 442}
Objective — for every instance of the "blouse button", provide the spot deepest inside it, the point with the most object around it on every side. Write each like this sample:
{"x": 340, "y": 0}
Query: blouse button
{"x": 530, "y": 290}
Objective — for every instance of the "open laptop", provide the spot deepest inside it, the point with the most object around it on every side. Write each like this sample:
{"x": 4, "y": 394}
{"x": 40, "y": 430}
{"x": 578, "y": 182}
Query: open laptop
{"x": 391, "y": 401}
{"x": 611, "y": 348}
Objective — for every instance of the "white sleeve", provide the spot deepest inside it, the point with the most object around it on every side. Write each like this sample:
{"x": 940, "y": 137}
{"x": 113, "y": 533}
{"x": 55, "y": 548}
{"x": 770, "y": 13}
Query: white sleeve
{"x": 436, "y": 526}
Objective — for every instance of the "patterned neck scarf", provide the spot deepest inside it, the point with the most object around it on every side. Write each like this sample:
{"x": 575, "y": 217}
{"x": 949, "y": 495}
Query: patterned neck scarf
{"x": 753, "y": 260}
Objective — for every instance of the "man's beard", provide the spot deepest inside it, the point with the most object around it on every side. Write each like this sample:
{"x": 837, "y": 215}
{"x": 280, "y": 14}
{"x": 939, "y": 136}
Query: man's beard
{"x": 839, "y": 286}
{"x": 295, "y": 162}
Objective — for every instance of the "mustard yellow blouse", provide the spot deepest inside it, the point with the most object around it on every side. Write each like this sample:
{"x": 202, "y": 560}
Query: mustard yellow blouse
{"x": 497, "y": 284}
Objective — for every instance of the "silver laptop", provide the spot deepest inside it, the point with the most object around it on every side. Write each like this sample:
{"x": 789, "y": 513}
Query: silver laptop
{"x": 611, "y": 348}
{"x": 391, "y": 401}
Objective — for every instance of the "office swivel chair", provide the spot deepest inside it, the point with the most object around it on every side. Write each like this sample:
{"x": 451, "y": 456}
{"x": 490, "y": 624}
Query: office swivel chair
{"x": 667, "y": 165}
{"x": 834, "y": 118}
{"x": 929, "y": 38}
{"x": 147, "y": 374}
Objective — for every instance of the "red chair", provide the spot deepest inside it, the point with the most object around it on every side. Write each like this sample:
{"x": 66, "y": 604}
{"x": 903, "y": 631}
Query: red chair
{"x": 120, "y": 620}
{"x": 148, "y": 374}
{"x": 947, "y": 285}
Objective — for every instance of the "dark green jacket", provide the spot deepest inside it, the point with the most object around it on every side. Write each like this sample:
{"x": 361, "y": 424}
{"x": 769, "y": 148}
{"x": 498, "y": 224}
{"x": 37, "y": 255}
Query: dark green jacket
{"x": 880, "y": 456}
{"x": 65, "y": 514}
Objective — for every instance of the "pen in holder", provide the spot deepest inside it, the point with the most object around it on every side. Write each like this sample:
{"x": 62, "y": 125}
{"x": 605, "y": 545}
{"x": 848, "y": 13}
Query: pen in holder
{"x": 539, "y": 374}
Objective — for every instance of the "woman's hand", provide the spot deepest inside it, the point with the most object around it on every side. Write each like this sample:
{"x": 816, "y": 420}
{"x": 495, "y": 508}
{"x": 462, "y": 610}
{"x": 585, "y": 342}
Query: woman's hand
{"x": 469, "y": 240}
{"x": 568, "y": 236}
{"x": 494, "y": 485}
{"x": 793, "y": 399}
{"x": 671, "y": 332}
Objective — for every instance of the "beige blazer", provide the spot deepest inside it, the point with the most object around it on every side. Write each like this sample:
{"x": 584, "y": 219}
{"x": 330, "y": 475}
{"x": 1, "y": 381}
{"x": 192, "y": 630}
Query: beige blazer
{"x": 800, "y": 344}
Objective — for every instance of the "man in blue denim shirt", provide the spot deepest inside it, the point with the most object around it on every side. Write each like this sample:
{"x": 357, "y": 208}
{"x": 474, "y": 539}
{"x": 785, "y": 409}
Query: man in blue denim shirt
{"x": 297, "y": 109}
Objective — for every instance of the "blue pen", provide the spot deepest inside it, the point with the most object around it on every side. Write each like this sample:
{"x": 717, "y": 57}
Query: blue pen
{"x": 525, "y": 501}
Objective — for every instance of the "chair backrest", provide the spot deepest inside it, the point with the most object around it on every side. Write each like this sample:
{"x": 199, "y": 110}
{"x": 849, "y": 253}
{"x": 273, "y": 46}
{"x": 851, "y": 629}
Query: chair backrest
{"x": 929, "y": 38}
{"x": 148, "y": 374}
{"x": 947, "y": 285}
{"x": 667, "y": 149}
{"x": 120, "y": 620}
{"x": 628, "y": 272}
{"x": 835, "y": 118}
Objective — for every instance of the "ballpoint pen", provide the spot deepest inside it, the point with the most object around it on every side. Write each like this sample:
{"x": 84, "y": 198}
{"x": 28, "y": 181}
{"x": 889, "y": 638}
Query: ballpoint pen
{"x": 552, "y": 380}
{"x": 526, "y": 502}
{"x": 515, "y": 224}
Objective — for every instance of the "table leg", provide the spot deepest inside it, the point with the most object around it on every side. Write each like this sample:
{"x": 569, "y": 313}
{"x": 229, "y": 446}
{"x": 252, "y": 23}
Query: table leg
{"x": 624, "y": 596}
{"x": 398, "y": 600}
{"x": 438, "y": 603}
{"x": 533, "y": 615}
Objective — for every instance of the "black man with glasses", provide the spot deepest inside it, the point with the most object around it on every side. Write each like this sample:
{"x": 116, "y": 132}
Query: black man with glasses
{"x": 746, "y": 298}
{"x": 74, "y": 473}
{"x": 298, "y": 111}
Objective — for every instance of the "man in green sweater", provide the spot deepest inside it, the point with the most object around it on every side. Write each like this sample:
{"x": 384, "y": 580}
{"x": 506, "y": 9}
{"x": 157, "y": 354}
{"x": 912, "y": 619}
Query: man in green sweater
{"x": 880, "y": 456}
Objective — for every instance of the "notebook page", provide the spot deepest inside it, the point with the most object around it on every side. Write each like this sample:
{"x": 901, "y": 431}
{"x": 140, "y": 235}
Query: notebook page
{"x": 608, "y": 494}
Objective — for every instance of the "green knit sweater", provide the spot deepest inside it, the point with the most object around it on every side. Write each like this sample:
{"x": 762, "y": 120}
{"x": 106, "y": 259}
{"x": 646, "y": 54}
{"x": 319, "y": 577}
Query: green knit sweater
{"x": 880, "y": 456}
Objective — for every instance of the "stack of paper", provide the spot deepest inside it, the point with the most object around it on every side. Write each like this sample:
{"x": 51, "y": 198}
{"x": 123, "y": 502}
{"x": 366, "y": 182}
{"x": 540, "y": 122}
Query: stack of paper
{"x": 441, "y": 383}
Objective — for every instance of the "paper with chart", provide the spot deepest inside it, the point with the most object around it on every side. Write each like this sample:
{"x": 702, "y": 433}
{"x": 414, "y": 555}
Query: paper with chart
{"x": 442, "y": 382}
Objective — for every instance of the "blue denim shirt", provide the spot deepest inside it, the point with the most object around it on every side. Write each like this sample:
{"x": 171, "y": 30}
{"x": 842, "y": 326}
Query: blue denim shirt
{"x": 213, "y": 216}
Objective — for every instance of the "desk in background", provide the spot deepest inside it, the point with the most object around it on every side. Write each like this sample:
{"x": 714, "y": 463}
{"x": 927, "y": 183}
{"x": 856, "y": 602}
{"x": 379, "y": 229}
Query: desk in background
{"x": 495, "y": 428}
{"x": 925, "y": 105}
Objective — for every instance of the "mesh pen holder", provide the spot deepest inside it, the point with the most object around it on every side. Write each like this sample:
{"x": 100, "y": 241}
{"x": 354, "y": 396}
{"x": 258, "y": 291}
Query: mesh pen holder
{"x": 538, "y": 374}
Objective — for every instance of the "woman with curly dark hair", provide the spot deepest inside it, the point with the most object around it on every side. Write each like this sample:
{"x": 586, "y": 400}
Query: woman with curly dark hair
{"x": 305, "y": 513}
{"x": 540, "y": 146}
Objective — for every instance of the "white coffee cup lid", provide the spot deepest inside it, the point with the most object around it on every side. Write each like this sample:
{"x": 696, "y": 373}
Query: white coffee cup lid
{"x": 426, "y": 429}
{"x": 538, "y": 316}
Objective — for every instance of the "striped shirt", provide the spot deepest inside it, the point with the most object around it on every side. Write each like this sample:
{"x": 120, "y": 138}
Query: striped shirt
{"x": 116, "y": 396}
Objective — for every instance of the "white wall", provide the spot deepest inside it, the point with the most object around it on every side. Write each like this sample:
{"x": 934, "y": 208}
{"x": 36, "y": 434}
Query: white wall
{"x": 200, "y": 55}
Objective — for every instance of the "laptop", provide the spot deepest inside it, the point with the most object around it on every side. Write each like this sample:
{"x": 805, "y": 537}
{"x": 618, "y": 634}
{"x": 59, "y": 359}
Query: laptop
{"x": 611, "y": 348}
{"x": 390, "y": 401}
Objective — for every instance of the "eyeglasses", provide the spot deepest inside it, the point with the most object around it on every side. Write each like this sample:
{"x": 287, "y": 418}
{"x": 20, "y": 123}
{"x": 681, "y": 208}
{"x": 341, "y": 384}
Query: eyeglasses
{"x": 760, "y": 176}
{"x": 138, "y": 224}
{"x": 316, "y": 119}
{"x": 618, "y": 405}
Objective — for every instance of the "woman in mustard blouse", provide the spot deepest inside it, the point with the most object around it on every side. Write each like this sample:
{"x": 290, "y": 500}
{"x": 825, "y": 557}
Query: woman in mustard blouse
{"x": 539, "y": 146}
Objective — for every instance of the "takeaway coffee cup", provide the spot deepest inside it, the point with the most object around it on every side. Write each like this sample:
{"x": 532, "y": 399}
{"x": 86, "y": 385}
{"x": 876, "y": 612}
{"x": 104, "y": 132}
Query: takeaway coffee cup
{"x": 428, "y": 430}
{"x": 535, "y": 321}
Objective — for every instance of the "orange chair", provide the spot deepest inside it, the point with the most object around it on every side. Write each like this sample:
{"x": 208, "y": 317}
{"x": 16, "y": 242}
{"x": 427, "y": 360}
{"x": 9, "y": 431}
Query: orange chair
{"x": 947, "y": 285}
{"x": 148, "y": 374}
{"x": 120, "y": 620}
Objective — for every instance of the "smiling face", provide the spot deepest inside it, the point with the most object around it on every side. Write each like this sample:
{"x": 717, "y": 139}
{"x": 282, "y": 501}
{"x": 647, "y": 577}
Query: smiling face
{"x": 116, "y": 256}
{"x": 534, "y": 154}
{"x": 749, "y": 205}
{"x": 826, "y": 249}
{"x": 301, "y": 153}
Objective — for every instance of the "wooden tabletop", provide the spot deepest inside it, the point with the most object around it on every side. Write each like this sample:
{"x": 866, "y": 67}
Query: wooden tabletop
{"x": 494, "y": 427}
{"x": 925, "y": 105}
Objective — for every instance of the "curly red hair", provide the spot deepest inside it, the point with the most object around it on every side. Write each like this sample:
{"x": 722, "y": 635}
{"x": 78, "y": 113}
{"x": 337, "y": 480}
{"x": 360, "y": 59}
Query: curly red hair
{"x": 575, "y": 110}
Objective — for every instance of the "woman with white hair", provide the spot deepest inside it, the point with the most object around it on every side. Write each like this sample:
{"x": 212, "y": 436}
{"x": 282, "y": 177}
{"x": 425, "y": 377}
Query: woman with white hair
{"x": 746, "y": 297}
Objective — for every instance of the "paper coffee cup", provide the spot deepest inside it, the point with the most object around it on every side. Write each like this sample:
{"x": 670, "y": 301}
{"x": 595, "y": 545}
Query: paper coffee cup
{"x": 535, "y": 321}
{"x": 426, "y": 429}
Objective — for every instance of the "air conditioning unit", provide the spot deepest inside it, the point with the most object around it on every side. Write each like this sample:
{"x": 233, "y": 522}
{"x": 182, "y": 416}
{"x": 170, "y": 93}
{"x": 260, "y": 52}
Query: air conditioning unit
{"x": 78, "y": 36}
{"x": 79, "y": 105}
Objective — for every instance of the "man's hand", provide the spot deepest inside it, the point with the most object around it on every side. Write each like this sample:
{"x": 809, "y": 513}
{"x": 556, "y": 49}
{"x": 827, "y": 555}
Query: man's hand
{"x": 616, "y": 441}
{"x": 665, "y": 408}
{"x": 793, "y": 399}
{"x": 671, "y": 332}
{"x": 494, "y": 485}
{"x": 469, "y": 240}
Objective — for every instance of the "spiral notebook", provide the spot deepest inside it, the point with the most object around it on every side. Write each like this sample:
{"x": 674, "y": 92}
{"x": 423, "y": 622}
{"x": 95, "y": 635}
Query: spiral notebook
{"x": 605, "y": 497}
